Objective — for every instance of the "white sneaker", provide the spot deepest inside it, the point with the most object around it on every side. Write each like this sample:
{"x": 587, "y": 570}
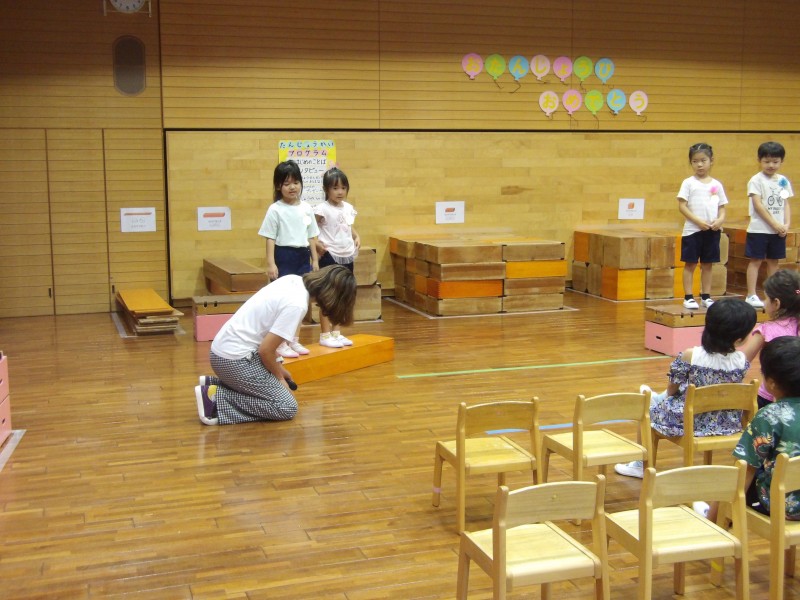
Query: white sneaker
{"x": 286, "y": 352}
{"x": 340, "y": 338}
{"x": 298, "y": 347}
{"x": 635, "y": 468}
{"x": 707, "y": 302}
{"x": 701, "y": 508}
{"x": 644, "y": 388}
{"x": 327, "y": 340}
{"x": 754, "y": 301}
{"x": 691, "y": 304}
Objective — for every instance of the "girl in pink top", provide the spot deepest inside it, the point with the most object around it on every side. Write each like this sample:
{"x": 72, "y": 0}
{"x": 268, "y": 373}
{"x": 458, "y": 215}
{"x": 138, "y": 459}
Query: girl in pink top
{"x": 782, "y": 303}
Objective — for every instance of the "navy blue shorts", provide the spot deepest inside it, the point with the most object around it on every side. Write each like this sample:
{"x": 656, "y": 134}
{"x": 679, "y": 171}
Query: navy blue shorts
{"x": 702, "y": 246}
{"x": 326, "y": 260}
{"x": 292, "y": 261}
{"x": 765, "y": 245}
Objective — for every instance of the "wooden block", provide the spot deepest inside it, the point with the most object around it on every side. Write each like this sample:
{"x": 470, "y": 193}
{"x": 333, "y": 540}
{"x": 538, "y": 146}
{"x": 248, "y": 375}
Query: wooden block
{"x": 536, "y": 268}
{"x": 533, "y": 250}
{"x": 580, "y": 246}
{"x": 463, "y": 252}
{"x": 660, "y": 283}
{"x": 724, "y": 248}
{"x": 675, "y": 315}
{"x": 218, "y": 305}
{"x": 660, "y": 252}
{"x": 420, "y": 251}
{"x": 208, "y": 326}
{"x": 580, "y": 276}
{"x": 791, "y": 254}
{"x": 398, "y": 269}
{"x": 420, "y": 301}
{"x": 234, "y": 275}
{"x": 622, "y": 284}
{"x": 596, "y": 245}
{"x": 719, "y": 279}
{"x": 142, "y": 302}
{"x": 670, "y": 340}
{"x": 465, "y": 289}
{"x": 533, "y": 302}
{"x": 365, "y": 267}
{"x": 463, "y": 306}
{"x": 678, "y": 261}
{"x": 400, "y": 293}
{"x": 402, "y": 248}
{"x": 422, "y": 267}
{"x": 468, "y": 271}
{"x": 368, "y": 303}
{"x": 421, "y": 284}
{"x": 678, "y": 288}
{"x": 534, "y": 285}
{"x": 322, "y": 362}
{"x": 594, "y": 280}
{"x": 625, "y": 251}
{"x": 739, "y": 234}
{"x": 410, "y": 282}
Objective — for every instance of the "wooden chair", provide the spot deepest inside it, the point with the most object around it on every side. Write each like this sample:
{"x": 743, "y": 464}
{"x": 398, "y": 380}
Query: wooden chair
{"x": 586, "y": 447}
{"x": 524, "y": 547}
{"x": 783, "y": 535}
{"x": 663, "y": 530}
{"x": 722, "y": 396}
{"x": 476, "y": 450}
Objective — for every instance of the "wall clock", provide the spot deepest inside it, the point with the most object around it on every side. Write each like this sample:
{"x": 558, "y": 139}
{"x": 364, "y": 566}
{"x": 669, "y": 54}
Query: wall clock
{"x": 128, "y": 6}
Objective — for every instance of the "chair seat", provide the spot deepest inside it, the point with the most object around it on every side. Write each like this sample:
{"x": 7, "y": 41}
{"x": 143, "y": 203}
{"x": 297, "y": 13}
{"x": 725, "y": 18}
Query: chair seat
{"x": 539, "y": 553}
{"x": 760, "y": 523}
{"x": 601, "y": 447}
{"x": 491, "y": 455}
{"x": 707, "y": 442}
{"x": 678, "y": 533}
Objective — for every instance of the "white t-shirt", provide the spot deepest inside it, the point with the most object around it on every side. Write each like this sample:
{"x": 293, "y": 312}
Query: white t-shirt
{"x": 775, "y": 191}
{"x": 703, "y": 199}
{"x": 336, "y": 230}
{"x": 289, "y": 224}
{"x": 276, "y": 308}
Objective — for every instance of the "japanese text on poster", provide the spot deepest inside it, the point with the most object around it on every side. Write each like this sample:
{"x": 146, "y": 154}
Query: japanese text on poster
{"x": 314, "y": 158}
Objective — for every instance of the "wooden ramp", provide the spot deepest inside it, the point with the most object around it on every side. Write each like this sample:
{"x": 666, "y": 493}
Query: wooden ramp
{"x": 367, "y": 350}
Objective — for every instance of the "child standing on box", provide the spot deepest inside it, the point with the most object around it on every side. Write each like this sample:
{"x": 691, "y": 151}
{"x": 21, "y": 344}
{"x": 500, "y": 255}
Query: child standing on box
{"x": 702, "y": 201}
{"x": 769, "y": 216}
{"x": 338, "y": 241}
{"x": 716, "y": 360}
{"x": 782, "y": 295}
{"x": 291, "y": 232}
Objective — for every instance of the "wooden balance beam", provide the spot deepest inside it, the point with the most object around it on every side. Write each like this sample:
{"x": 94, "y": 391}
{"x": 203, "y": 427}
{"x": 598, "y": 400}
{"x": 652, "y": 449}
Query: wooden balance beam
{"x": 322, "y": 362}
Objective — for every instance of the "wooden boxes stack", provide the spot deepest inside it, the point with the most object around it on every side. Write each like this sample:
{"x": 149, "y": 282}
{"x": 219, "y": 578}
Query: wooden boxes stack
{"x": 146, "y": 312}
{"x": 5, "y": 400}
{"x": 623, "y": 263}
{"x": 478, "y": 275}
{"x": 737, "y": 264}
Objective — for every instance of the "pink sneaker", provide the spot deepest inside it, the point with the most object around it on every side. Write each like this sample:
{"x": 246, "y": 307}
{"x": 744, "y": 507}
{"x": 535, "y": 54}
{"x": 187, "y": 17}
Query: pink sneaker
{"x": 286, "y": 352}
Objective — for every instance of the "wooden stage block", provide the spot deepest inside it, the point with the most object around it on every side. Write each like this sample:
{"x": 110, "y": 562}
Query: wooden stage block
{"x": 533, "y": 250}
{"x": 670, "y": 340}
{"x": 465, "y": 289}
{"x": 422, "y": 267}
{"x": 401, "y": 247}
{"x": 580, "y": 246}
{"x": 463, "y": 252}
{"x": 594, "y": 279}
{"x": 660, "y": 283}
{"x": 678, "y": 284}
{"x": 400, "y": 293}
{"x": 534, "y": 285}
{"x": 368, "y": 303}
{"x": 365, "y": 267}
{"x": 536, "y": 268}
{"x": 398, "y": 269}
{"x": 626, "y": 250}
{"x": 322, "y": 362}
{"x": 580, "y": 276}
{"x": 596, "y": 244}
{"x": 218, "y": 305}
{"x": 234, "y": 275}
{"x": 533, "y": 302}
{"x": 468, "y": 271}
{"x": 675, "y": 315}
{"x": 622, "y": 284}
{"x": 660, "y": 251}
{"x": 420, "y": 284}
{"x": 463, "y": 306}
{"x": 719, "y": 279}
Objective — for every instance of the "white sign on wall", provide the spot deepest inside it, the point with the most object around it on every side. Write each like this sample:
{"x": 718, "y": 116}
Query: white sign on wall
{"x": 213, "y": 218}
{"x": 631, "y": 208}
{"x": 136, "y": 220}
{"x": 450, "y": 212}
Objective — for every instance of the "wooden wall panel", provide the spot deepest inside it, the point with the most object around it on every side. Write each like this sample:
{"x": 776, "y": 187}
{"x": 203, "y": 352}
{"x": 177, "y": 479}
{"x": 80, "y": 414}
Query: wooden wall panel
{"x": 134, "y": 171}
{"x": 75, "y": 165}
{"x": 539, "y": 184}
{"x": 26, "y": 270}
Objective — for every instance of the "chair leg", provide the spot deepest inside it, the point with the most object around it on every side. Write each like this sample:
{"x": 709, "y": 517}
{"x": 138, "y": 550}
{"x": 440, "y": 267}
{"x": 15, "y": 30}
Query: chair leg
{"x": 688, "y": 455}
{"x": 437, "y": 478}
{"x": 546, "y": 591}
{"x": 679, "y": 578}
{"x": 717, "y": 571}
{"x": 707, "y": 457}
{"x": 461, "y": 502}
{"x": 743, "y": 580}
{"x": 777, "y": 567}
{"x": 462, "y": 583}
{"x": 653, "y": 447}
{"x": 789, "y": 560}
{"x": 545, "y": 468}
{"x": 645, "y": 577}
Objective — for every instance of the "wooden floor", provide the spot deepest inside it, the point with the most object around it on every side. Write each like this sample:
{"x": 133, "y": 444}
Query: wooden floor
{"x": 116, "y": 490}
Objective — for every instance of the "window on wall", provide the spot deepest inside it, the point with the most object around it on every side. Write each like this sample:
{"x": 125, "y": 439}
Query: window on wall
{"x": 129, "y": 66}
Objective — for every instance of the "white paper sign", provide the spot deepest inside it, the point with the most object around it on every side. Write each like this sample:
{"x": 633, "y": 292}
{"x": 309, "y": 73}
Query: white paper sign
{"x": 631, "y": 208}
{"x": 213, "y": 218}
{"x": 450, "y": 212}
{"x": 136, "y": 220}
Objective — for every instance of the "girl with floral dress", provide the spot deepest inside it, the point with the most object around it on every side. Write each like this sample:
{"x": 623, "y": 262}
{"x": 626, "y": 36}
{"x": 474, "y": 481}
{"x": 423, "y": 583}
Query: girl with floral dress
{"x": 716, "y": 360}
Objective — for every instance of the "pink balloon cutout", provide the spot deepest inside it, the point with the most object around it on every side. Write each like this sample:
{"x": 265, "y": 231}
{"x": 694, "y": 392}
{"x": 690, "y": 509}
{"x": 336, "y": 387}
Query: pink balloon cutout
{"x": 638, "y": 101}
{"x": 472, "y": 64}
{"x": 540, "y": 66}
{"x": 572, "y": 100}
{"x": 562, "y": 67}
{"x": 548, "y": 102}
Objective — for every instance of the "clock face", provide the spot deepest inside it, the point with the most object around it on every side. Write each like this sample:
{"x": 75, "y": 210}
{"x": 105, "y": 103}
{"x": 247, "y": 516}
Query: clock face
{"x": 127, "y": 6}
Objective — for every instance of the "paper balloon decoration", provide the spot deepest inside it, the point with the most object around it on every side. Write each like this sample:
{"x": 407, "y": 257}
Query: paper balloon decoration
{"x": 582, "y": 67}
{"x": 593, "y": 101}
{"x": 548, "y": 102}
{"x": 571, "y": 100}
{"x": 472, "y": 64}
{"x": 638, "y": 102}
{"x": 562, "y": 67}
{"x": 616, "y": 100}
{"x": 604, "y": 69}
{"x": 495, "y": 65}
{"x": 518, "y": 67}
{"x": 540, "y": 66}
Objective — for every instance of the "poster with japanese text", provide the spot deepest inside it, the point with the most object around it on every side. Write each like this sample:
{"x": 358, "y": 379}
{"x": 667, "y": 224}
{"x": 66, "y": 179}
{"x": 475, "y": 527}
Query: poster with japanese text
{"x": 314, "y": 157}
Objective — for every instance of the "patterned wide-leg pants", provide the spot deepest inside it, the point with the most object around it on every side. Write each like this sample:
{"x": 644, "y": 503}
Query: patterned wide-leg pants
{"x": 247, "y": 391}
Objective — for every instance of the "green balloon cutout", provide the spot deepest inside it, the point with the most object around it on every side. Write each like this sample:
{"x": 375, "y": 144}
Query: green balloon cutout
{"x": 582, "y": 67}
{"x": 495, "y": 65}
{"x": 593, "y": 101}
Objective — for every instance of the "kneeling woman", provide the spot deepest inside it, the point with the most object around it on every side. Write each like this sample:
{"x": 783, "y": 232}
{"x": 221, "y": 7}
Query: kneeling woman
{"x": 250, "y": 384}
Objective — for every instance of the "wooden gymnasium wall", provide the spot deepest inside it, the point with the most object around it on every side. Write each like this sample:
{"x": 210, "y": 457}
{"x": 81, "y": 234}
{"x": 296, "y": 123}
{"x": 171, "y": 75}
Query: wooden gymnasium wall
{"x": 383, "y": 79}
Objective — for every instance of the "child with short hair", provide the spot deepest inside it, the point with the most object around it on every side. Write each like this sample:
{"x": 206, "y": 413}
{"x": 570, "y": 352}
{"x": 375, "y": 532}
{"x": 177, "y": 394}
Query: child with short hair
{"x": 338, "y": 241}
{"x": 782, "y": 304}
{"x": 776, "y": 427}
{"x": 291, "y": 232}
{"x": 702, "y": 201}
{"x": 769, "y": 195}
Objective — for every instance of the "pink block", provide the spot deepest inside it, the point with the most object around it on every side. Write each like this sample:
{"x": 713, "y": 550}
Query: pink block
{"x": 670, "y": 340}
{"x": 207, "y": 326}
{"x": 3, "y": 376}
{"x": 5, "y": 418}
